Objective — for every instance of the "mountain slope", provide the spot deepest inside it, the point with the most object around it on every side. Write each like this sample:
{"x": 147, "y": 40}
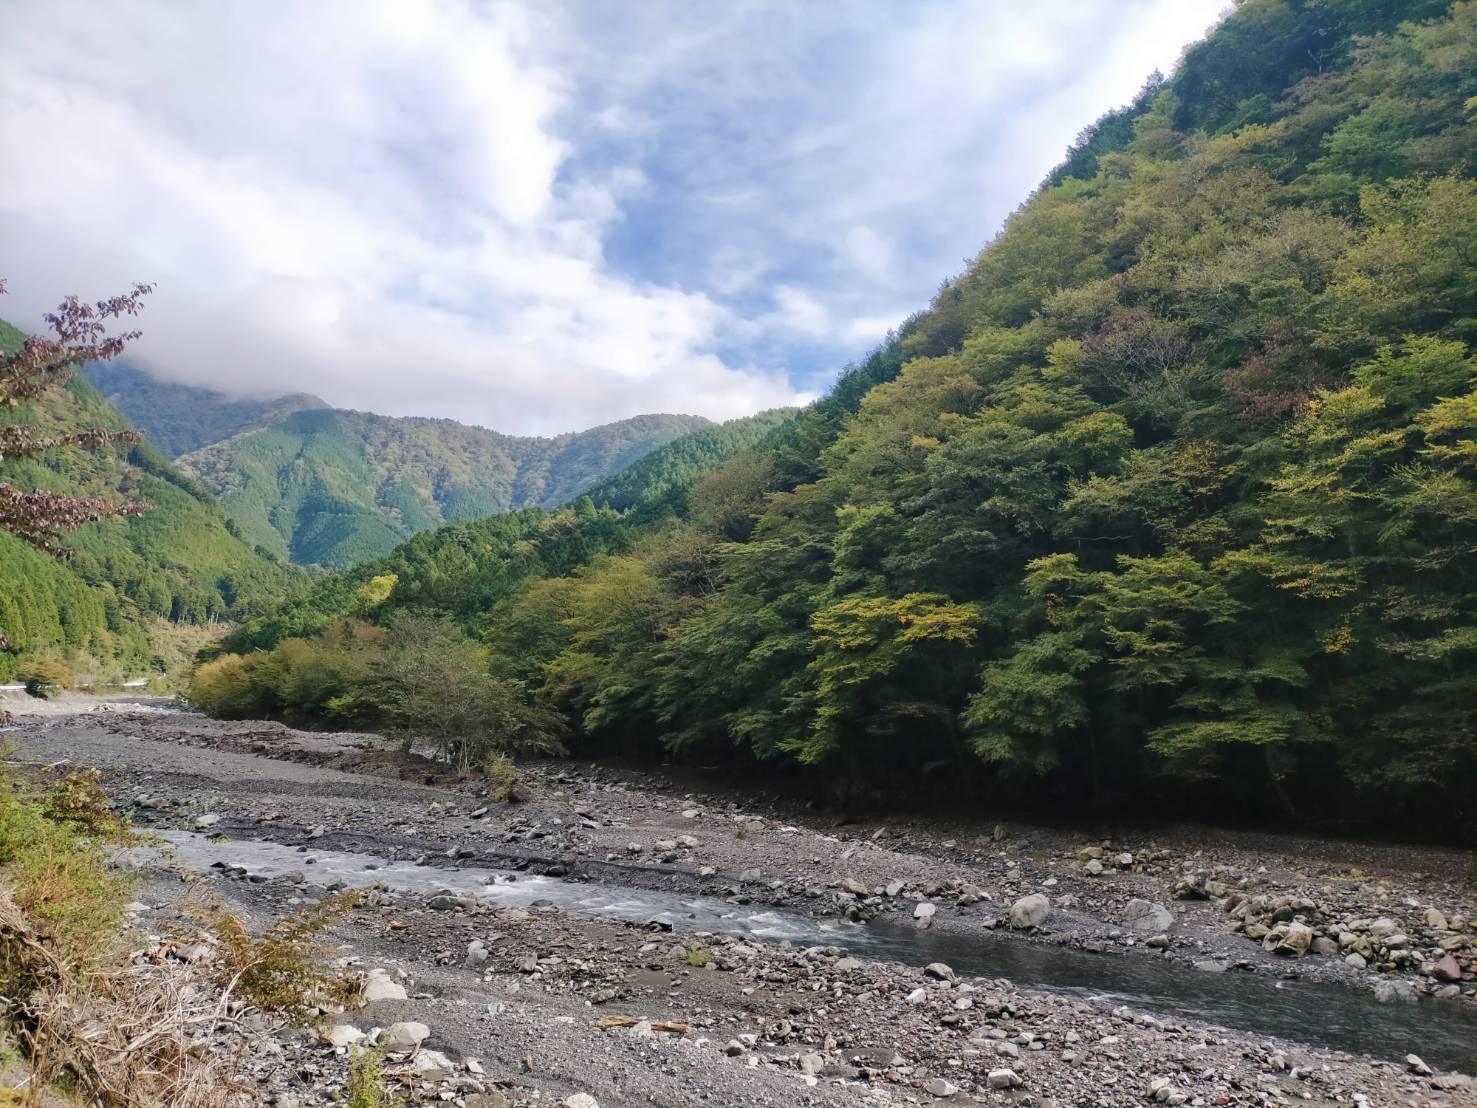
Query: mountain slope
{"x": 333, "y": 487}
{"x": 181, "y": 561}
{"x": 1168, "y": 501}
{"x": 180, "y": 418}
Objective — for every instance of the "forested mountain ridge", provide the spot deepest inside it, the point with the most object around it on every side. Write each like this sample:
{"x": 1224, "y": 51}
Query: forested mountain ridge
{"x": 334, "y": 487}
{"x": 179, "y": 418}
{"x": 1177, "y": 482}
{"x": 180, "y": 561}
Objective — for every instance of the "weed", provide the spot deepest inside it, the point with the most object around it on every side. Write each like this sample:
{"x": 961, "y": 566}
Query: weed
{"x": 502, "y": 778}
{"x": 366, "y": 1088}
{"x": 282, "y": 971}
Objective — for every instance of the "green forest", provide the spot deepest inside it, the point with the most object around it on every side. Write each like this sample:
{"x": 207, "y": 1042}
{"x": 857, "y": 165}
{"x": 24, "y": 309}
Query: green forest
{"x": 333, "y": 488}
{"x": 180, "y": 562}
{"x": 1169, "y": 499}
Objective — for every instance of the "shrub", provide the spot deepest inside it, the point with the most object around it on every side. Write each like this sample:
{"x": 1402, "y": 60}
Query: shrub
{"x": 366, "y": 1088}
{"x": 282, "y": 971}
{"x": 45, "y": 675}
{"x": 502, "y": 778}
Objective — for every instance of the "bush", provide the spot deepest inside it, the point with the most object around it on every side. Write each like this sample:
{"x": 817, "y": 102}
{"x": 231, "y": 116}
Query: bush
{"x": 502, "y": 778}
{"x": 282, "y": 971}
{"x": 45, "y": 675}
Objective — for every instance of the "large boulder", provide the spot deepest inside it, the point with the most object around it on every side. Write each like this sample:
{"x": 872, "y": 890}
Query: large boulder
{"x": 1289, "y": 939}
{"x": 379, "y": 986}
{"x": 1142, "y": 915}
{"x": 1029, "y": 912}
{"x": 402, "y": 1038}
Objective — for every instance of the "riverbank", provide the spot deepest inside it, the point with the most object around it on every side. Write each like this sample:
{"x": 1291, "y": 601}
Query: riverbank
{"x": 843, "y": 1026}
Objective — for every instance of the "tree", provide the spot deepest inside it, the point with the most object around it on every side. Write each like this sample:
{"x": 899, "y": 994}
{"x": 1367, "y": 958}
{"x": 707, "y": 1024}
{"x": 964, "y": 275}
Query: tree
{"x": 40, "y": 365}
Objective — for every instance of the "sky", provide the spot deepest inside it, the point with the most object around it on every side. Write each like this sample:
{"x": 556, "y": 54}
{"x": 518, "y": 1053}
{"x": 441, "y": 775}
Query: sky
{"x": 541, "y": 216}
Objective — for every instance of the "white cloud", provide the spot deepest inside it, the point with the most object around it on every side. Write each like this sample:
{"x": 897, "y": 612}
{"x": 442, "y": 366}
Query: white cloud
{"x": 526, "y": 215}
{"x": 359, "y": 200}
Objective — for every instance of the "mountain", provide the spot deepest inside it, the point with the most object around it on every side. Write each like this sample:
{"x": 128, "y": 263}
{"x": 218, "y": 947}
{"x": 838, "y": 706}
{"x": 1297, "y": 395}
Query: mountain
{"x": 181, "y": 562}
{"x": 333, "y": 487}
{"x": 1167, "y": 505}
{"x": 180, "y": 418}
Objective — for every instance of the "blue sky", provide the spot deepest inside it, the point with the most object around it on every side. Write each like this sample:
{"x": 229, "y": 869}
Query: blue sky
{"x": 538, "y": 217}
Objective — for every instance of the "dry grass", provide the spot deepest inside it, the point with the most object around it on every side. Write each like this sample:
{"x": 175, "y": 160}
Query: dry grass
{"x": 136, "y": 1033}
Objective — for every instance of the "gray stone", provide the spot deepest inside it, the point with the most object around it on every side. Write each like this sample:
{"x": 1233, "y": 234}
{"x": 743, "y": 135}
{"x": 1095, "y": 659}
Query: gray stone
{"x": 340, "y": 1034}
{"x": 1004, "y": 1079}
{"x": 1395, "y": 992}
{"x": 812, "y": 1063}
{"x": 402, "y": 1038}
{"x": 1029, "y": 911}
{"x": 1436, "y": 919}
{"x": 925, "y": 910}
{"x": 937, "y": 1086}
{"x": 447, "y": 902}
{"x": 381, "y": 987}
{"x": 1143, "y": 915}
{"x": 938, "y": 971}
{"x": 581, "y": 1100}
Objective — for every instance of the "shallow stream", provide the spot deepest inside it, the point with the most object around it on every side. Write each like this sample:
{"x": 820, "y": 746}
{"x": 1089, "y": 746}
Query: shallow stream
{"x": 1443, "y": 1033}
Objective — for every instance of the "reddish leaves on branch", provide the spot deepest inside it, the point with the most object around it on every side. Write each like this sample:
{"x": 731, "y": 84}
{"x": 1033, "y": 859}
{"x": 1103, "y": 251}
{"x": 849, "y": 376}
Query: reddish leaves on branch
{"x": 40, "y": 516}
{"x": 80, "y": 335}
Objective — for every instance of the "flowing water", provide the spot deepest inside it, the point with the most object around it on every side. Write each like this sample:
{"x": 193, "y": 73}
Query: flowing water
{"x": 1444, "y": 1033}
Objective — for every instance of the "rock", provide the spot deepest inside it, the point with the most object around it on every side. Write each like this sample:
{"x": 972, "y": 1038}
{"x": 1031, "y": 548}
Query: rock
{"x": 446, "y": 902}
{"x": 1395, "y": 992}
{"x": 925, "y": 910}
{"x": 581, "y": 1100}
{"x": 812, "y": 1063}
{"x": 917, "y": 996}
{"x": 432, "y": 1065}
{"x": 1004, "y": 1079}
{"x": 381, "y": 987}
{"x": 938, "y": 971}
{"x": 1292, "y": 940}
{"x": 1124, "y": 860}
{"x": 734, "y": 1048}
{"x": 847, "y": 965}
{"x": 1448, "y": 969}
{"x": 1161, "y": 1089}
{"x": 202, "y": 822}
{"x": 1029, "y": 911}
{"x": 476, "y": 954}
{"x": 1142, "y": 915}
{"x": 402, "y": 1038}
{"x": 1415, "y": 1065}
{"x": 937, "y": 1086}
{"x": 1211, "y": 967}
{"x": 853, "y": 886}
{"x": 1325, "y": 946}
{"x": 1093, "y": 867}
{"x": 1436, "y": 919}
{"x": 340, "y": 1034}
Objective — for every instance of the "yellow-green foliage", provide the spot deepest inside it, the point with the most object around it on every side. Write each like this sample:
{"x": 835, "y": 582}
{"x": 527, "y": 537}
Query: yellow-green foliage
{"x": 54, "y": 855}
{"x": 283, "y": 970}
{"x": 502, "y": 777}
{"x": 366, "y": 1088}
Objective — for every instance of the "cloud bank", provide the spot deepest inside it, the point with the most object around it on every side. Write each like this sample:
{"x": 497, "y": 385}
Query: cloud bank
{"x": 532, "y": 216}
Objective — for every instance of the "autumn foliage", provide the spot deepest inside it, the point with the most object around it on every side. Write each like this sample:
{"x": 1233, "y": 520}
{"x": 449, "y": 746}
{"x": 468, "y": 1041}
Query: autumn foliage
{"x": 79, "y": 334}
